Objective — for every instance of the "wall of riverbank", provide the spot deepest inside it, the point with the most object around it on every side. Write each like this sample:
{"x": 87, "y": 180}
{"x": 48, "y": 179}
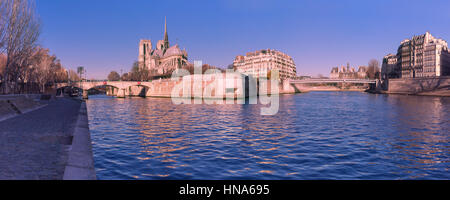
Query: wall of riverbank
{"x": 13, "y": 105}
{"x": 303, "y": 88}
{"x": 207, "y": 86}
{"x": 435, "y": 86}
{"x": 288, "y": 87}
{"x": 80, "y": 164}
{"x": 194, "y": 86}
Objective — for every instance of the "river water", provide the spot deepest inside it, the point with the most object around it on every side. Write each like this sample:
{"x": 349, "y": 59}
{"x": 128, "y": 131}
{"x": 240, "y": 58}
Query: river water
{"x": 317, "y": 135}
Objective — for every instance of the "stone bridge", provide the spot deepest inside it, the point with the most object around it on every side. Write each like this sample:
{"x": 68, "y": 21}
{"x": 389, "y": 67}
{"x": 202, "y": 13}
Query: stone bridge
{"x": 123, "y": 88}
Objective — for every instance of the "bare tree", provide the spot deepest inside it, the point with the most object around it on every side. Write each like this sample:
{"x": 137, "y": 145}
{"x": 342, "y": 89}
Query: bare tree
{"x": 21, "y": 30}
{"x": 125, "y": 77}
{"x": 2, "y": 64}
{"x": 4, "y": 13}
{"x": 113, "y": 76}
{"x": 73, "y": 76}
{"x": 61, "y": 75}
{"x": 373, "y": 70}
{"x": 43, "y": 69}
{"x": 139, "y": 73}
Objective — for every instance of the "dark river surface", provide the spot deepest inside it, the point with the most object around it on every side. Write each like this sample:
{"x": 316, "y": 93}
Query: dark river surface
{"x": 317, "y": 135}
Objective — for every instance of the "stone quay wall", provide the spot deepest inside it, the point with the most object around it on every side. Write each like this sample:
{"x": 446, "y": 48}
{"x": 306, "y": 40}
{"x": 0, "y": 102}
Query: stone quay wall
{"x": 13, "y": 105}
{"x": 439, "y": 86}
{"x": 287, "y": 87}
{"x": 194, "y": 86}
{"x": 236, "y": 86}
{"x": 80, "y": 164}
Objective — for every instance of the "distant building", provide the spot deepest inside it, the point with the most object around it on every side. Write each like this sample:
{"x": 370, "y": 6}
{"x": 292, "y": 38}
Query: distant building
{"x": 334, "y": 73}
{"x": 423, "y": 56}
{"x": 390, "y": 69}
{"x": 164, "y": 59}
{"x": 362, "y": 72}
{"x": 259, "y": 63}
{"x": 348, "y": 72}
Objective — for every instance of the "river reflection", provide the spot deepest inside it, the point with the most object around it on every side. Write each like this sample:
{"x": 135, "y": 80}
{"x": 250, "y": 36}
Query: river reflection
{"x": 319, "y": 135}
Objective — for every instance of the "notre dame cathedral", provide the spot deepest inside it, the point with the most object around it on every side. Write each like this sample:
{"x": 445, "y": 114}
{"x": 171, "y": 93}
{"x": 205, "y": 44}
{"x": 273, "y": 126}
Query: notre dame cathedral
{"x": 164, "y": 58}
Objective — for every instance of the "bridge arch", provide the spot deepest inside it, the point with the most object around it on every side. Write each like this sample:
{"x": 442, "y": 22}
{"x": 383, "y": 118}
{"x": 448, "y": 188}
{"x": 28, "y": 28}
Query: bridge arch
{"x": 67, "y": 89}
{"x": 122, "y": 88}
{"x": 138, "y": 89}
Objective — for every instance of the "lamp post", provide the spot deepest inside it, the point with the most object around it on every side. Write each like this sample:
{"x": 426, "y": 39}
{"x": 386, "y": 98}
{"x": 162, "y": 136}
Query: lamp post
{"x": 68, "y": 77}
{"x": 80, "y": 71}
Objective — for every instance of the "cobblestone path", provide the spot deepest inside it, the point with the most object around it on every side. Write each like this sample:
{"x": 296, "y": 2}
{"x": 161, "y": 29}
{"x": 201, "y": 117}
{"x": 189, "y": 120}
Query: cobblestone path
{"x": 35, "y": 145}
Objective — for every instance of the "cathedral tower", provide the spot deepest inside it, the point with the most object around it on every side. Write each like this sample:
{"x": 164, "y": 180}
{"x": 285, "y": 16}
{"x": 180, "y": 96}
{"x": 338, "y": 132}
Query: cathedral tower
{"x": 166, "y": 36}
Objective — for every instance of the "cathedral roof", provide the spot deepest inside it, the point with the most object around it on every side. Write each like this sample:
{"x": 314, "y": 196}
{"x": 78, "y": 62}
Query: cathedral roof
{"x": 173, "y": 51}
{"x": 158, "y": 53}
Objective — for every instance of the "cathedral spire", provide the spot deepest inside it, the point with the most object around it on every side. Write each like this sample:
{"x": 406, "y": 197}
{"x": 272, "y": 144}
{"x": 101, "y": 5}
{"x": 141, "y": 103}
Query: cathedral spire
{"x": 166, "y": 36}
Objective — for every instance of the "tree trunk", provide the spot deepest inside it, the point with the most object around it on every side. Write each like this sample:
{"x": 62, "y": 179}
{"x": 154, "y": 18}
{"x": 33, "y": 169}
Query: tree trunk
{"x": 5, "y": 77}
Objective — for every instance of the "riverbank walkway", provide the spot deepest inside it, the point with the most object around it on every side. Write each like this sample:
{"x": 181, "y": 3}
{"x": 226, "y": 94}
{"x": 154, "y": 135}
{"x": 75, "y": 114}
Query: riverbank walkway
{"x": 36, "y": 145}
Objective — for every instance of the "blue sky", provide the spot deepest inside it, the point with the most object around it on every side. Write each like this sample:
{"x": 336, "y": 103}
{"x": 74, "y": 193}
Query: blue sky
{"x": 103, "y": 35}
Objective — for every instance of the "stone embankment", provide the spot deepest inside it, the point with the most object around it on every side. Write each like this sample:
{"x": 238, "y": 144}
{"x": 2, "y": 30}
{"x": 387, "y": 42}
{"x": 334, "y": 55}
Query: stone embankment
{"x": 287, "y": 87}
{"x": 425, "y": 86}
{"x": 80, "y": 165}
{"x": 13, "y": 105}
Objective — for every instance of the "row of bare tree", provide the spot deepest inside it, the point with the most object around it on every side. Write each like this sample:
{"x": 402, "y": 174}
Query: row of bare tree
{"x": 23, "y": 63}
